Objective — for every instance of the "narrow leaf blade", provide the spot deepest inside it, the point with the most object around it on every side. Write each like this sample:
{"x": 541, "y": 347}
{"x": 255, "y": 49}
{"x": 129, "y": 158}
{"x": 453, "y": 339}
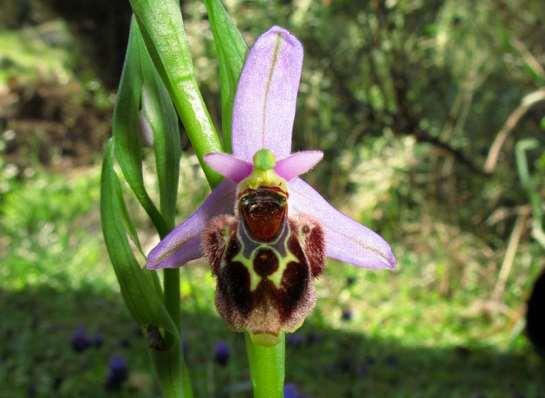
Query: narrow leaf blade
{"x": 163, "y": 31}
{"x": 128, "y": 150}
{"x": 231, "y": 49}
{"x": 159, "y": 112}
{"x": 139, "y": 287}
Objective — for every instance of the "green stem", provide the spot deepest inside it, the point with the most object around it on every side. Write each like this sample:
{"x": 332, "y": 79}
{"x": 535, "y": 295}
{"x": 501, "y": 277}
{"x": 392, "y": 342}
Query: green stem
{"x": 169, "y": 371}
{"x": 172, "y": 294}
{"x": 169, "y": 363}
{"x": 267, "y": 366}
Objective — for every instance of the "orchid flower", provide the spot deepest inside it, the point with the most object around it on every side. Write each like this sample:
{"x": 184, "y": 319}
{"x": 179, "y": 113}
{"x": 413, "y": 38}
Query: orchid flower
{"x": 264, "y": 230}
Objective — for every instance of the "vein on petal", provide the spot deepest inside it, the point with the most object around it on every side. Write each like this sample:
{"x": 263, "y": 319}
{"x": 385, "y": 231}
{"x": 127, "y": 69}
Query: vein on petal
{"x": 275, "y": 56}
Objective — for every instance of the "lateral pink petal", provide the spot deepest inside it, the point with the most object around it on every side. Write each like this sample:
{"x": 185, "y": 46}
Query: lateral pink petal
{"x": 229, "y": 166}
{"x": 346, "y": 239}
{"x": 183, "y": 243}
{"x": 265, "y": 101}
{"x": 297, "y": 163}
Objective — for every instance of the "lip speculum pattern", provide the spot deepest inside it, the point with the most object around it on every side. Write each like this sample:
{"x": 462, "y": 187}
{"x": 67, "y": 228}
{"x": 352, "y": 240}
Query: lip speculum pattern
{"x": 264, "y": 263}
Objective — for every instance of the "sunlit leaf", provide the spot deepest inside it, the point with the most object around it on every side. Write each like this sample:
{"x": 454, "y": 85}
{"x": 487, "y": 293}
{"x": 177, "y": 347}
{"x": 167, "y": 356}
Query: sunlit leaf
{"x": 159, "y": 112}
{"x": 128, "y": 151}
{"x": 231, "y": 50}
{"x": 163, "y": 31}
{"x": 140, "y": 288}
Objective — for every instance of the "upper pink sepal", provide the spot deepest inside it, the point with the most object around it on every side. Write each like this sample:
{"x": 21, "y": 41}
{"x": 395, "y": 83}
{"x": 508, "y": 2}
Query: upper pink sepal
{"x": 266, "y": 97}
{"x": 229, "y": 166}
{"x": 297, "y": 163}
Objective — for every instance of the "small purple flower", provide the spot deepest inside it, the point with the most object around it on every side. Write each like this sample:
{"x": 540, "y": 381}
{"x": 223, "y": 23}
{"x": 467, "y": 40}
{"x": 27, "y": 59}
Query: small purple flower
{"x": 312, "y": 338}
{"x": 118, "y": 372}
{"x": 80, "y": 340}
{"x": 221, "y": 353}
{"x": 185, "y": 347}
{"x": 362, "y": 370}
{"x": 124, "y": 342}
{"x": 264, "y": 230}
{"x": 98, "y": 340}
{"x": 370, "y": 360}
{"x": 291, "y": 391}
{"x": 346, "y": 315}
{"x": 392, "y": 361}
{"x": 295, "y": 340}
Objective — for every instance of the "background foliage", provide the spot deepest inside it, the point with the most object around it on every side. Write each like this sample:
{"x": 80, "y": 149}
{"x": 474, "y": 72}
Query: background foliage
{"x": 406, "y": 98}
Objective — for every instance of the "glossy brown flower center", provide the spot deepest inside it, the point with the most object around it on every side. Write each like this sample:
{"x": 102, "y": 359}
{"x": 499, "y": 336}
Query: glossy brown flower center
{"x": 263, "y": 211}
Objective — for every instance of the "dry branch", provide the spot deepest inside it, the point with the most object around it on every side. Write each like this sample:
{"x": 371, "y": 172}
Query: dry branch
{"x": 509, "y": 258}
{"x": 525, "y": 104}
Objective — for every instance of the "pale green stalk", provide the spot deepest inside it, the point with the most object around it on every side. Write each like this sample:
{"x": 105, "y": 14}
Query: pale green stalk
{"x": 267, "y": 367}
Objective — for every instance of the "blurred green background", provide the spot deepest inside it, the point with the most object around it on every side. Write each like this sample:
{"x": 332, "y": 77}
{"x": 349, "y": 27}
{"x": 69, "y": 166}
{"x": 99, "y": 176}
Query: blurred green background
{"x": 418, "y": 105}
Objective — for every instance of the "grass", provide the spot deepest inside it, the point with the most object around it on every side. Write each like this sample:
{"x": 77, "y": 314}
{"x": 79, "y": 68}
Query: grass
{"x": 49, "y": 44}
{"x": 407, "y": 335}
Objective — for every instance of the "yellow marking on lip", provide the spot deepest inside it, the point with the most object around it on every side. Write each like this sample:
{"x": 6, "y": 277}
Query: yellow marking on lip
{"x": 248, "y": 264}
{"x": 276, "y": 276}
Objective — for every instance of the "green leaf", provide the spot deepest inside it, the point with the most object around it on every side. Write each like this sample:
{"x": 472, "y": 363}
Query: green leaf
{"x": 231, "y": 49}
{"x": 131, "y": 230}
{"x": 529, "y": 183}
{"x": 163, "y": 31}
{"x": 126, "y": 126}
{"x": 140, "y": 288}
{"x": 159, "y": 112}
